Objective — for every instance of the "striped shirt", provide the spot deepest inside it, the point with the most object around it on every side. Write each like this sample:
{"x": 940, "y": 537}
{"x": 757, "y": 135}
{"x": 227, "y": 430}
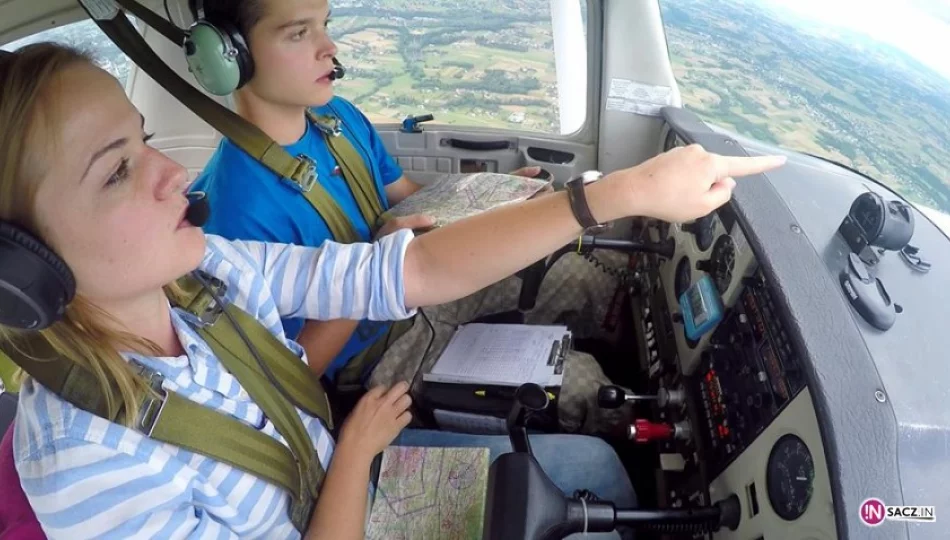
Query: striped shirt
{"x": 86, "y": 477}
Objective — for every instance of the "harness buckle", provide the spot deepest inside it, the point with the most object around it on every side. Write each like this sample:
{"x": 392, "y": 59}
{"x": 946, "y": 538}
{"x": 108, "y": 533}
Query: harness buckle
{"x": 151, "y": 409}
{"x": 204, "y": 306}
{"x": 306, "y": 175}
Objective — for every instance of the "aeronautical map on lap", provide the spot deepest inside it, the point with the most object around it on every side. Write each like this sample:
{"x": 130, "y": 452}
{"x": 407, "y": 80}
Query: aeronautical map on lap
{"x": 431, "y": 493}
{"x": 456, "y": 196}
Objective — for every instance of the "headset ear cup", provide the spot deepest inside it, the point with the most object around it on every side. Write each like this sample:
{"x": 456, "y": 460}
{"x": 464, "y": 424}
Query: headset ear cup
{"x": 34, "y": 277}
{"x": 244, "y": 58}
{"x": 207, "y": 54}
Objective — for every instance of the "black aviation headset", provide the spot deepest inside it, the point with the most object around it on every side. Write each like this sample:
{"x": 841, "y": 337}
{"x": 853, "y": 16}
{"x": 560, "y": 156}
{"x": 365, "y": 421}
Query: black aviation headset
{"x": 36, "y": 284}
{"x": 218, "y": 55}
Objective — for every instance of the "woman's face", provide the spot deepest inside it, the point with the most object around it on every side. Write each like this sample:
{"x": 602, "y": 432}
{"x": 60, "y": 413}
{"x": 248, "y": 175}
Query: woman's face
{"x": 110, "y": 205}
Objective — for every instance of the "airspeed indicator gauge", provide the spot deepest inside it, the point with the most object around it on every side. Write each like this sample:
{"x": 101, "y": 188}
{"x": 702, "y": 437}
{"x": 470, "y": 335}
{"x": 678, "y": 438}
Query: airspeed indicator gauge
{"x": 790, "y": 477}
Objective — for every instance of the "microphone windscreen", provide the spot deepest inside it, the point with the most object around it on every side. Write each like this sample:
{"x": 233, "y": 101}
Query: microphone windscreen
{"x": 198, "y": 209}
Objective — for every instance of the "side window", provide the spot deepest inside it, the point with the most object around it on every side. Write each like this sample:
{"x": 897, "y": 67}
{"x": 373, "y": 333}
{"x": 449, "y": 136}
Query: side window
{"x": 84, "y": 35}
{"x": 481, "y": 63}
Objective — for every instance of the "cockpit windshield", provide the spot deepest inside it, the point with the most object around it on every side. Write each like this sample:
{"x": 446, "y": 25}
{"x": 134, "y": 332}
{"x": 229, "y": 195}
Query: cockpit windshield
{"x": 864, "y": 84}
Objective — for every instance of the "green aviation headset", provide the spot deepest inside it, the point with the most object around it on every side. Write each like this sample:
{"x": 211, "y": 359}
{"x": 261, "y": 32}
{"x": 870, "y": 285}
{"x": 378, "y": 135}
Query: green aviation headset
{"x": 218, "y": 55}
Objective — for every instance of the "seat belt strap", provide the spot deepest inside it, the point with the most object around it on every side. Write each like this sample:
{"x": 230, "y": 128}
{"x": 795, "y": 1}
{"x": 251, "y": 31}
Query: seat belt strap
{"x": 186, "y": 424}
{"x": 8, "y": 371}
{"x": 164, "y": 416}
{"x": 168, "y": 29}
{"x": 341, "y": 228}
{"x": 290, "y": 372}
{"x": 278, "y": 409}
{"x": 358, "y": 177}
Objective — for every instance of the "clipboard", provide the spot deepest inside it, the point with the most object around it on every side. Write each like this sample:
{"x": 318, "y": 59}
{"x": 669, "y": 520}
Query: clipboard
{"x": 503, "y": 355}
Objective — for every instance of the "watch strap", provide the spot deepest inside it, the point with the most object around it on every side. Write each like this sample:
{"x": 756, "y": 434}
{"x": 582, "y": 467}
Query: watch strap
{"x": 578, "y": 199}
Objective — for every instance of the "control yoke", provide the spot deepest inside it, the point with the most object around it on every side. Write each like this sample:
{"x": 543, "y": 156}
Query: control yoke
{"x": 534, "y": 275}
{"x": 524, "y": 504}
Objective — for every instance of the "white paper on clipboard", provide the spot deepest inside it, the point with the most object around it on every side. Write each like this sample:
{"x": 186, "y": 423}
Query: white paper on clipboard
{"x": 502, "y": 354}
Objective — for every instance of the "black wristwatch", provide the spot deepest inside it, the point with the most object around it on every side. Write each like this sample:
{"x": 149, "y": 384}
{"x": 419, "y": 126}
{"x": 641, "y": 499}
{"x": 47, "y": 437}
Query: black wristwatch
{"x": 578, "y": 199}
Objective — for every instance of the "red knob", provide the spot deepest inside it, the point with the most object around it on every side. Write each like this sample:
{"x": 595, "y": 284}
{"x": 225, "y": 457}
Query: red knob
{"x": 643, "y": 431}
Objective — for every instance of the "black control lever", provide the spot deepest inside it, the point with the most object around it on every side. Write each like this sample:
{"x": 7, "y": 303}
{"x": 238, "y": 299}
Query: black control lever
{"x": 523, "y": 504}
{"x": 529, "y": 398}
{"x": 664, "y": 248}
{"x": 613, "y": 397}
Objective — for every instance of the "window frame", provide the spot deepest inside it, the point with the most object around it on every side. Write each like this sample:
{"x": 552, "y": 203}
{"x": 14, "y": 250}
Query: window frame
{"x": 587, "y": 133}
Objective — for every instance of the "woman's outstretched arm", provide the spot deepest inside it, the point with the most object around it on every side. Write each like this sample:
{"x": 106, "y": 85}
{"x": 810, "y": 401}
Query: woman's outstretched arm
{"x": 465, "y": 256}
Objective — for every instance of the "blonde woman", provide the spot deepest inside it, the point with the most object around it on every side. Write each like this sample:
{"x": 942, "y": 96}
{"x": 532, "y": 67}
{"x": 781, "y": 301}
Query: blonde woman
{"x": 78, "y": 175}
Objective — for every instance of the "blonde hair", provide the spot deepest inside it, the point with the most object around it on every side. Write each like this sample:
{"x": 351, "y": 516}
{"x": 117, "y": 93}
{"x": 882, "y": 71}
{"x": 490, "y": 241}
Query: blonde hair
{"x": 86, "y": 334}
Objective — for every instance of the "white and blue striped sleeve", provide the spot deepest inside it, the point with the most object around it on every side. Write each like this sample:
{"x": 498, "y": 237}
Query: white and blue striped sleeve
{"x": 335, "y": 281}
{"x": 80, "y": 489}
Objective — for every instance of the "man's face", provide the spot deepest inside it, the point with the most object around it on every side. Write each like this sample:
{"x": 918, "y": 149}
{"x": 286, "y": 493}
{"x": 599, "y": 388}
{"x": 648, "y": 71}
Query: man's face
{"x": 293, "y": 54}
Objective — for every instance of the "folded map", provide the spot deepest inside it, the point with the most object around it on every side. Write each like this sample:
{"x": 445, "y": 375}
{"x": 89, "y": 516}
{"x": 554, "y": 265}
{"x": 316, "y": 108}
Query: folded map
{"x": 430, "y": 493}
{"x": 457, "y": 196}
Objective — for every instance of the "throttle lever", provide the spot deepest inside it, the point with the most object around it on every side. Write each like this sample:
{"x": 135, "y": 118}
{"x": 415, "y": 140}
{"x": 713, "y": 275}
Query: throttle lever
{"x": 613, "y": 397}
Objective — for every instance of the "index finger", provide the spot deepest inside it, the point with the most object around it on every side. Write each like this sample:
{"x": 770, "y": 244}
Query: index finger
{"x": 743, "y": 166}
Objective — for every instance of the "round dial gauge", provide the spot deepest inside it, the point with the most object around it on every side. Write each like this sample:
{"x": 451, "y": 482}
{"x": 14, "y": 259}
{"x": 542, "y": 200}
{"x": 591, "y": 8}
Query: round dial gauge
{"x": 790, "y": 477}
{"x": 722, "y": 261}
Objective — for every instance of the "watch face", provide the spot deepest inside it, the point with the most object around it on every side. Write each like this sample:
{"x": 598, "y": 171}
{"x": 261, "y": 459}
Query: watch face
{"x": 591, "y": 176}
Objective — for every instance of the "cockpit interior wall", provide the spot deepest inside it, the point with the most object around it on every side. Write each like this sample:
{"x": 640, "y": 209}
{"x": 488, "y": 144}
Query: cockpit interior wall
{"x": 630, "y": 129}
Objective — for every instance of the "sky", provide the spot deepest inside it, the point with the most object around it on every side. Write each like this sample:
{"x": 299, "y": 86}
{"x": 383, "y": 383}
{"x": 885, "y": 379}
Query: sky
{"x": 920, "y": 28}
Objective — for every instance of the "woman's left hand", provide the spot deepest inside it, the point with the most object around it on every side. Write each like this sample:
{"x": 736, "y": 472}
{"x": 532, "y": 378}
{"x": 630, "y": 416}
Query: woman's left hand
{"x": 376, "y": 420}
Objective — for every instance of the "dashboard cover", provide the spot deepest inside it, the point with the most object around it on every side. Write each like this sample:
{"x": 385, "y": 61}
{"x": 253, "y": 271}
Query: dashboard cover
{"x": 881, "y": 396}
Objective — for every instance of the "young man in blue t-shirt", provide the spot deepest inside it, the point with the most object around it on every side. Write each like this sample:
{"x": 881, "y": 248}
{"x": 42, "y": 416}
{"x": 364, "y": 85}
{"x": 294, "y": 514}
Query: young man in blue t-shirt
{"x": 292, "y": 58}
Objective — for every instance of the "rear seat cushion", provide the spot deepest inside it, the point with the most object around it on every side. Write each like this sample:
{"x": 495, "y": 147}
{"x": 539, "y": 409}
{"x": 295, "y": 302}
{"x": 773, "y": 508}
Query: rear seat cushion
{"x": 17, "y": 520}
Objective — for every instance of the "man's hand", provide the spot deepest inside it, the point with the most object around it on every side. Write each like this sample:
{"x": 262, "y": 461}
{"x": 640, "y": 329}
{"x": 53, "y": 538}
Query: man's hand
{"x": 414, "y": 221}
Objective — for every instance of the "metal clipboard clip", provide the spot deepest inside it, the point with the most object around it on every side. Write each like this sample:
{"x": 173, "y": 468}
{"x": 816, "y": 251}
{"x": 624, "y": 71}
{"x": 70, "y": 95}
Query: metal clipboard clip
{"x": 559, "y": 350}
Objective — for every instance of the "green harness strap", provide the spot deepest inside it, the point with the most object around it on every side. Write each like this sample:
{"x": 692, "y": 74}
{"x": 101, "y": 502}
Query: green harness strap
{"x": 301, "y": 385}
{"x": 174, "y": 419}
{"x": 353, "y": 167}
{"x": 7, "y": 372}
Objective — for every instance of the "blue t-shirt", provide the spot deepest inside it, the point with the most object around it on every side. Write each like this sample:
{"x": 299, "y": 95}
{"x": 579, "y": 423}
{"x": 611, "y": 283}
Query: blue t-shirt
{"x": 249, "y": 202}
